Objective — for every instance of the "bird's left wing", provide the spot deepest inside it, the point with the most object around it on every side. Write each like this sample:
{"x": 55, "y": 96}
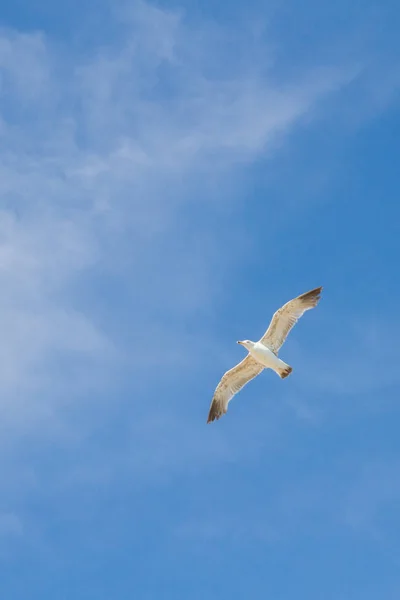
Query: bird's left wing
{"x": 286, "y": 317}
{"x": 231, "y": 383}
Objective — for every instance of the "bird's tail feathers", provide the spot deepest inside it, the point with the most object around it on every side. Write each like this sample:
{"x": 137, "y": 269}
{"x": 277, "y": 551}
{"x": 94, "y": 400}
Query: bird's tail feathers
{"x": 284, "y": 371}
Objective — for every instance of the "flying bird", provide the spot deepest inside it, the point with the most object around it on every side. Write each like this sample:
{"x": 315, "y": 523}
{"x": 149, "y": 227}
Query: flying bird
{"x": 262, "y": 354}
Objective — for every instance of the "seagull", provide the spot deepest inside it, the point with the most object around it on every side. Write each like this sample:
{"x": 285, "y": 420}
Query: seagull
{"x": 262, "y": 354}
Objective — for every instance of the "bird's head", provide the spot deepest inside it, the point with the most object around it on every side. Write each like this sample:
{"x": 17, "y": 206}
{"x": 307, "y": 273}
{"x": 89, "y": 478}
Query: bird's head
{"x": 247, "y": 344}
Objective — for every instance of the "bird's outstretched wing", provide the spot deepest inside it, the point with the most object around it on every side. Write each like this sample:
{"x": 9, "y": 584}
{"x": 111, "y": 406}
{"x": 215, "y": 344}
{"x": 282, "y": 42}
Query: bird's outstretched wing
{"x": 286, "y": 317}
{"x": 231, "y": 383}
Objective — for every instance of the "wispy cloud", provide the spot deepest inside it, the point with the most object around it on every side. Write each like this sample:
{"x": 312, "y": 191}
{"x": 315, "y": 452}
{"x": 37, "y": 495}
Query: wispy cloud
{"x": 119, "y": 188}
{"x": 105, "y": 152}
{"x": 124, "y": 221}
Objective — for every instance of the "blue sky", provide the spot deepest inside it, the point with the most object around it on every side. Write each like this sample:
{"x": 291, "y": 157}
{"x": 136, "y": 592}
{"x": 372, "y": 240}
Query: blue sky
{"x": 171, "y": 174}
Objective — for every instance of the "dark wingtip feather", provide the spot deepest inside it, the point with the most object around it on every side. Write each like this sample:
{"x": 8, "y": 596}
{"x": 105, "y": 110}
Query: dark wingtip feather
{"x": 215, "y": 412}
{"x": 313, "y": 295}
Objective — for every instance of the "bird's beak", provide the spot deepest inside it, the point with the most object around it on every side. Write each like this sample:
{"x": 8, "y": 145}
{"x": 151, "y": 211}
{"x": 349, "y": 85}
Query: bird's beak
{"x": 239, "y": 343}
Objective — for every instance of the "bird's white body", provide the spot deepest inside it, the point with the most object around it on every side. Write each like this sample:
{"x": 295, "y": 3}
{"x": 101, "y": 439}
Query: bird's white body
{"x": 266, "y": 357}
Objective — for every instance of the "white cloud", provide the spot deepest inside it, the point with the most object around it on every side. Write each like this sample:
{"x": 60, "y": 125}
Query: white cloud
{"x": 101, "y": 151}
{"x": 117, "y": 167}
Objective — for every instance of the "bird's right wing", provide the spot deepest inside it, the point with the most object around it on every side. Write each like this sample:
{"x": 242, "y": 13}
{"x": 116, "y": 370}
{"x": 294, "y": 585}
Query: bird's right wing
{"x": 231, "y": 383}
